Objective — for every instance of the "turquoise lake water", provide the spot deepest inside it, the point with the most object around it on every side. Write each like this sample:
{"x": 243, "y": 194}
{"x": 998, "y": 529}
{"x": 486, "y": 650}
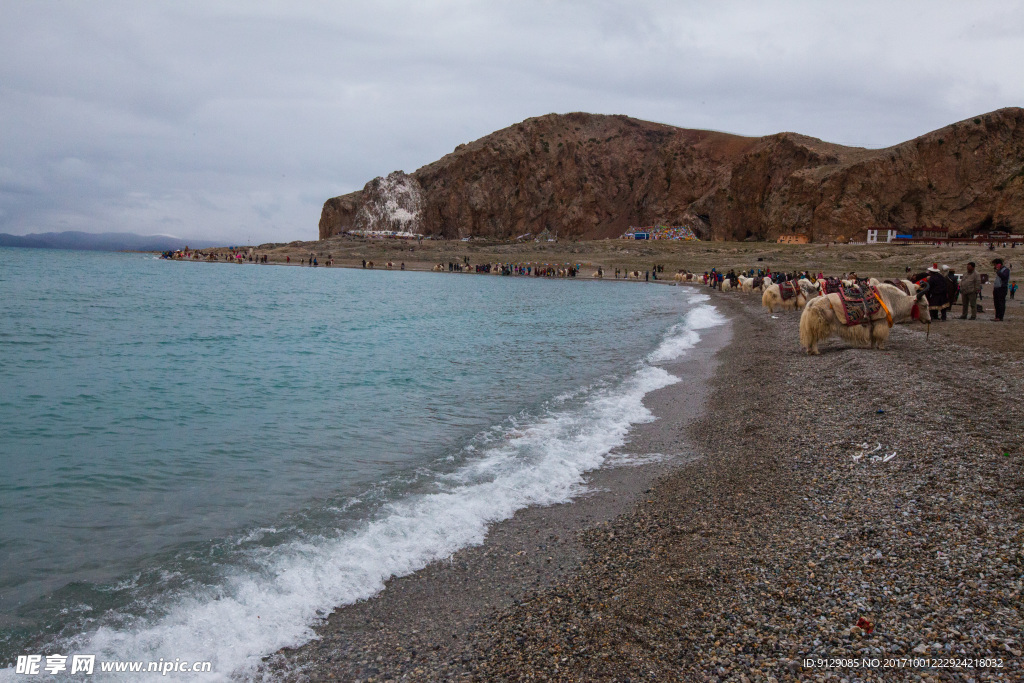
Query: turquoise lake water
{"x": 186, "y": 446}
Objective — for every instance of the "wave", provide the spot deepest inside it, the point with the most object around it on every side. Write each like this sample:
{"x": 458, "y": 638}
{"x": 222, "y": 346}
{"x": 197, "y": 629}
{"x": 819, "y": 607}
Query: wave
{"x": 685, "y": 335}
{"x": 285, "y": 590}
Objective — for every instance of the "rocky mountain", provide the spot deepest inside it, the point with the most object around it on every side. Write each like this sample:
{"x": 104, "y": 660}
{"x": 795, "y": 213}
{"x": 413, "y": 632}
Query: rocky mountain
{"x": 592, "y": 176}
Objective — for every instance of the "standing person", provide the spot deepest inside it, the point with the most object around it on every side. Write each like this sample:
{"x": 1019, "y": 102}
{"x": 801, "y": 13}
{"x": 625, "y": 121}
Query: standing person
{"x": 952, "y": 286}
{"x": 970, "y": 285}
{"x": 938, "y": 299}
{"x": 1013, "y": 288}
{"x": 999, "y": 288}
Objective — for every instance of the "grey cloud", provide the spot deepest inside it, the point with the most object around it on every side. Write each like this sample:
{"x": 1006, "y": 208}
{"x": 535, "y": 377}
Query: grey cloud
{"x": 235, "y": 120}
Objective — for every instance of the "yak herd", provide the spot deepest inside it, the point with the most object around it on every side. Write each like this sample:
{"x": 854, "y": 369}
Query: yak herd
{"x": 860, "y": 311}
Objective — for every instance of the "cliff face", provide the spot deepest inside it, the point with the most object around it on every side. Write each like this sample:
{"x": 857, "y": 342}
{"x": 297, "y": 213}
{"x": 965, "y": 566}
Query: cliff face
{"x": 593, "y": 176}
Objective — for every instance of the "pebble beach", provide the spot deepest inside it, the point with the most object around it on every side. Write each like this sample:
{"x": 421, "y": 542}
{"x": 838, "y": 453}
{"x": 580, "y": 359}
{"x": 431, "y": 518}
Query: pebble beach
{"x": 799, "y": 497}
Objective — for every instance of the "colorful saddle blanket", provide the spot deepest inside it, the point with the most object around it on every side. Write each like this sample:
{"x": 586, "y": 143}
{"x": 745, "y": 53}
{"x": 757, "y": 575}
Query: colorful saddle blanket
{"x": 788, "y": 290}
{"x": 860, "y": 304}
{"x": 899, "y": 283}
{"x": 832, "y": 285}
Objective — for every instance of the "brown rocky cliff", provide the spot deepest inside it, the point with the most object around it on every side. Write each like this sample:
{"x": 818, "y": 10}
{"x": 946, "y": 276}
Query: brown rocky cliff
{"x": 592, "y": 176}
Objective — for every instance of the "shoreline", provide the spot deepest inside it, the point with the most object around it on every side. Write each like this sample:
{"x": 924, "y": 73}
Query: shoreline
{"x": 758, "y": 556}
{"x": 433, "y": 613}
{"x": 879, "y": 260}
{"x": 876, "y": 260}
{"x": 587, "y": 274}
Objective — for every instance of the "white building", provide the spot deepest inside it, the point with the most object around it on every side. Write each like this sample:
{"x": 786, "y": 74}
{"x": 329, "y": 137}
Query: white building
{"x": 873, "y": 235}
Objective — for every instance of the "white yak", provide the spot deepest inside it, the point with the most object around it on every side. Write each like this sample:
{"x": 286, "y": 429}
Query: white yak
{"x": 823, "y": 317}
{"x": 811, "y": 289}
{"x": 772, "y": 300}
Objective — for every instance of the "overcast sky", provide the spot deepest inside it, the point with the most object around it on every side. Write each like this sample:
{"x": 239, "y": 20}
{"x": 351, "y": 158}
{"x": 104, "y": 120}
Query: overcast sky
{"x": 234, "y": 121}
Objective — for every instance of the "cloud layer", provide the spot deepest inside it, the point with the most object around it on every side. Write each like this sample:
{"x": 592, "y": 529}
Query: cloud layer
{"x": 236, "y": 120}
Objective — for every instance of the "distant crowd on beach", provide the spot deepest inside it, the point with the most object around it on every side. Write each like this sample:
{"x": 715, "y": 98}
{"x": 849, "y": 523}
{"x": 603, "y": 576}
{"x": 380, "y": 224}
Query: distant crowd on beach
{"x": 944, "y": 286}
{"x": 512, "y": 269}
{"x": 247, "y": 256}
{"x": 187, "y": 254}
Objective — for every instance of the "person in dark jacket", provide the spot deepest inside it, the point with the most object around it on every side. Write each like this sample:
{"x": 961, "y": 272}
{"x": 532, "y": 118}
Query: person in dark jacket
{"x": 952, "y": 286}
{"x": 999, "y": 288}
{"x": 938, "y": 298}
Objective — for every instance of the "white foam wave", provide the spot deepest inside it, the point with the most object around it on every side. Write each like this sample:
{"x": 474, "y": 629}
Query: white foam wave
{"x": 256, "y": 535}
{"x": 617, "y": 460}
{"x": 252, "y": 614}
{"x": 684, "y": 336}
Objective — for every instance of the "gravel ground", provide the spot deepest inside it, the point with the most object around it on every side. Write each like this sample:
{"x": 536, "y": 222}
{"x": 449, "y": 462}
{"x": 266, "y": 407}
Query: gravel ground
{"x": 756, "y": 559}
{"x": 980, "y": 334}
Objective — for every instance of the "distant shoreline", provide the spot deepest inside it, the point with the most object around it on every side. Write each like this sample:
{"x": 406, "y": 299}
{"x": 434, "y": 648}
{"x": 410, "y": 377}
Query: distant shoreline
{"x": 879, "y": 260}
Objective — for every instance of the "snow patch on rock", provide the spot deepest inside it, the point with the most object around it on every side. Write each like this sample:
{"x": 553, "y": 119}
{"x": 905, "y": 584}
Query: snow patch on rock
{"x": 392, "y": 203}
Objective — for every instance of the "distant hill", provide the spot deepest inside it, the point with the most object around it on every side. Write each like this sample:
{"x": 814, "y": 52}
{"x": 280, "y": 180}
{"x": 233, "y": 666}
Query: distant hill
{"x": 592, "y": 176}
{"x": 104, "y": 241}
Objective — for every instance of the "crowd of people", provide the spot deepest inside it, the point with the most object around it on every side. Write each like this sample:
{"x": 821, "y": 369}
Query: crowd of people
{"x": 946, "y": 289}
{"x": 517, "y": 269}
{"x": 715, "y": 278}
{"x": 626, "y": 274}
{"x": 232, "y": 256}
{"x": 943, "y": 287}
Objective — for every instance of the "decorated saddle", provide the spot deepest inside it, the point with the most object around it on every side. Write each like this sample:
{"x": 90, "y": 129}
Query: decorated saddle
{"x": 788, "y": 289}
{"x": 900, "y": 284}
{"x": 832, "y": 285}
{"x": 860, "y": 305}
